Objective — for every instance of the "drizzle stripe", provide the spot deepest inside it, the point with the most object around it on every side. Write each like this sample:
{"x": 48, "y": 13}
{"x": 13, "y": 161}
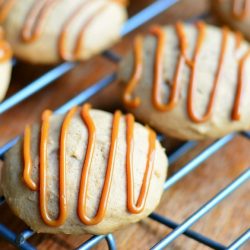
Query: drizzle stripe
{"x": 80, "y": 38}
{"x": 62, "y": 170}
{"x": 138, "y": 66}
{"x": 79, "y": 41}
{"x": 27, "y": 160}
{"x": 140, "y": 204}
{"x": 158, "y": 69}
{"x": 240, "y": 88}
{"x": 34, "y": 22}
{"x": 190, "y": 108}
{"x": 82, "y": 200}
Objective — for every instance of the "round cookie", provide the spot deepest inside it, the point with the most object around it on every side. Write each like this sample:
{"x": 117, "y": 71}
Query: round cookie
{"x": 5, "y": 65}
{"x": 47, "y": 31}
{"x": 235, "y": 13}
{"x": 100, "y": 191}
{"x": 188, "y": 81}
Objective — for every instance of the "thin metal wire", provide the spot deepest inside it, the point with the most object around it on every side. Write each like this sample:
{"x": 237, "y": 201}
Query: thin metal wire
{"x": 111, "y": 242}
{"x": 112, "y": 56}
{"x": 181, "y": 151}
{"x": 35, "y": 86}
{"x": 77, "y": 100}
{"x": 190, "y": 233}
{"x": 2, "y": 200}
{"x": 91, "y": 242}
{"x": 7, "y": 146}
{"x": 86, "y": 94}
{"x": 147, "y": 14}
{"x": 246, "y": 134}
{"x": 203, "y": 210}
{"x": 196, "y": 161}
{"x": 22, "y": 237}
{"x": 240, "y": 241}
{"x": 11, "y": 237}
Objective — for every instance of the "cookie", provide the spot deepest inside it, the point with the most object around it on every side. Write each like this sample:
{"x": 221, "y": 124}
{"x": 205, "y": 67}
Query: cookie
{"x": 86, "y": 171}
{"x": 189, "y": 81}
{"x": 235, "y": 13}
{"x": 5, "y": 65}
{"x": 48, "y": 31}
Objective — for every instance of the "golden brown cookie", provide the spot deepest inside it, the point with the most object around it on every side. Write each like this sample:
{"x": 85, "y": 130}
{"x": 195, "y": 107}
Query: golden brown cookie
{"x": 86, "y": 171}
{"x": 189, "y": 81}
{"x": 48, "y": 31}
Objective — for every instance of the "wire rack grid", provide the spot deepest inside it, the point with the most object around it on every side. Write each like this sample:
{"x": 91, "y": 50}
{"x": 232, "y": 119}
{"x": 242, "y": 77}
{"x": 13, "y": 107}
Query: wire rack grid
{"x": 21, "y": 240}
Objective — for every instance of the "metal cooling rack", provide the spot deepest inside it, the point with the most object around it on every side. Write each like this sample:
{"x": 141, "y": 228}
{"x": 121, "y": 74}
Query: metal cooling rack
{"x": 20, "y": 240}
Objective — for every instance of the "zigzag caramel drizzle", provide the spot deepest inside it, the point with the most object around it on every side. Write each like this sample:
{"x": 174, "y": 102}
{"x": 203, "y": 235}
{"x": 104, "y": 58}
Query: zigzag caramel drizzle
{"x": 159, "y": 33}
{"x": 35, "y": 20}
{"x": 5, "y": 49}
{"x": 132, "y": 207}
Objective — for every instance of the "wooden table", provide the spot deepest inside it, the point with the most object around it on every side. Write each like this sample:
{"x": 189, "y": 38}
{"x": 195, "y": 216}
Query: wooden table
{"x": 223, "y": 224}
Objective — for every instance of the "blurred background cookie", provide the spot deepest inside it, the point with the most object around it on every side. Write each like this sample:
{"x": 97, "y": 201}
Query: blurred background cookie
{"x": 47, "y": 31}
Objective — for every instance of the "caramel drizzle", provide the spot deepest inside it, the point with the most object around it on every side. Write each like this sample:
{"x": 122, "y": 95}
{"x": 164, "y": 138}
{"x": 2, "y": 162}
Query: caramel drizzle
{"x": 82, "y": 200}
{"x": 140, "y": 204}
{"x": 43, "y": 174}
{"x": 5, "y": 49}
{"x": 240, "y": 88}
{"x": 43, "y": 167}
{"x": 158, "y": 68}
{"x": 240, "y": 9}
{"x": 80, "y": 38}
{"x": 238, "y": 40}
{"x": 192, "y": 64}
{"x": 5, "y": 8}
{"x": 225, "y": 32}
{"x": 35, "y": 20}
{"x": 83, "y": 187}
{"x": 138, "y": 66}
{"x": 122, "y": 2}
{"x": 28, "y": 161}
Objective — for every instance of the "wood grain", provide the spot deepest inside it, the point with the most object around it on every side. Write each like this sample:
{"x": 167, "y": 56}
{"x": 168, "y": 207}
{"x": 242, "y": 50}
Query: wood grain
{"x": 223, "y": 224}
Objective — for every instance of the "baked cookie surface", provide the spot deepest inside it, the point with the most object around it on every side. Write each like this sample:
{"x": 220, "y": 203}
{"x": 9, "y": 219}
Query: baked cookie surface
{"x": 189, "y": 81}
{"x": 235, "y": 13}
{"x": 47, "y": 31}
{"x": 89, "y": 171}
{"x": 5, "y": 65}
